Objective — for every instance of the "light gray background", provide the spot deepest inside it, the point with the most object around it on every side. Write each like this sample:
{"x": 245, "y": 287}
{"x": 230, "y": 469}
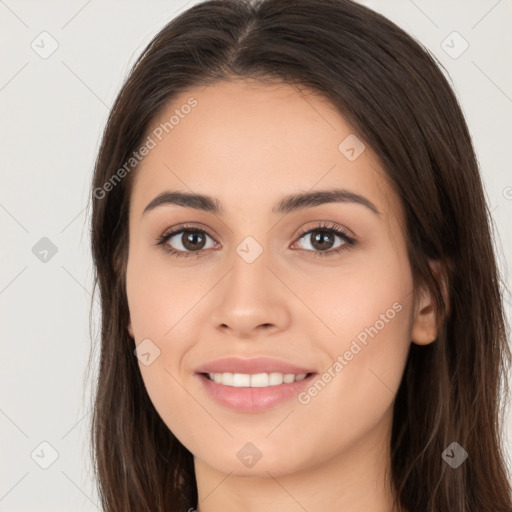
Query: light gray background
{"x": 53, "y": 111}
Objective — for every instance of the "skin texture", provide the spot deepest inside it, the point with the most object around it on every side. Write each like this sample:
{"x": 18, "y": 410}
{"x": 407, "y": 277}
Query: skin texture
{"x": 249, "y": 145}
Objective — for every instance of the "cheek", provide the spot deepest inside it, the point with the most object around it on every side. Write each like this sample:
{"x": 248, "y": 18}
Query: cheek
{"x": 368, "y": 299}
{"x": 368, "y": 311}
{"x": 367, "y": 356}
{"x": 161, "y": 309}
{"x": 160, "y": 299}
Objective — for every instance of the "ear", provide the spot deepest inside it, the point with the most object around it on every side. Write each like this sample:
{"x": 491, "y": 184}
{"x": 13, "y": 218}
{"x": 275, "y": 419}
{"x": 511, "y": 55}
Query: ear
{"x": 130, "y": 330}
{"x": 424, "y": 327}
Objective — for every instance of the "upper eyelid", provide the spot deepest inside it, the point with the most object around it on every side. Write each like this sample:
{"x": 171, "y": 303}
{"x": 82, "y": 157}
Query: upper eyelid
{"x": 330, "y": 227}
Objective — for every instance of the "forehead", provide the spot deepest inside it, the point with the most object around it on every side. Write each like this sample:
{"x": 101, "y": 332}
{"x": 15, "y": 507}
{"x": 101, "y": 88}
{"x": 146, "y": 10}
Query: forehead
{"x": 247, "y": 139}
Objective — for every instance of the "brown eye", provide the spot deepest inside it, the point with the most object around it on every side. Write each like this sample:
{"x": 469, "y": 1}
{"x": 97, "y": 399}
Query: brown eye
{"x": 321, "y": 240}
{"x": 192, "y": 240}
{"x": 186, "y": 241}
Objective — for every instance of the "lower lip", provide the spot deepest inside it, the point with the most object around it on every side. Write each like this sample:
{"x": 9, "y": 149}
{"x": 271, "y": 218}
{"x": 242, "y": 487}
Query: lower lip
{"x": 253, "y": 399}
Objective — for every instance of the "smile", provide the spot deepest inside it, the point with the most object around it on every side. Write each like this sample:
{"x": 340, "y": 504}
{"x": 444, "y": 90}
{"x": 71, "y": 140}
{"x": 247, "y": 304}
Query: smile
{"x": 255, "y": 380}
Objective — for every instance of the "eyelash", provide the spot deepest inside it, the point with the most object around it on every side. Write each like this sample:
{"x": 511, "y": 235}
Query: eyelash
{"x": 324, "y": 227}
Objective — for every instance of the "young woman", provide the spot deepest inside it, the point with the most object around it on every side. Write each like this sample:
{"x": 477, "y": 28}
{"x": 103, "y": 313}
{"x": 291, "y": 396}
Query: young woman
{"x": 301, "y": 308}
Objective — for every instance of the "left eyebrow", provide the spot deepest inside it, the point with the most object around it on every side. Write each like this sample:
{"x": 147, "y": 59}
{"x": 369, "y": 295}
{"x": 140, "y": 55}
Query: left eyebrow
{"x": 312, "y": 199}
{"x": 285, "y": 205}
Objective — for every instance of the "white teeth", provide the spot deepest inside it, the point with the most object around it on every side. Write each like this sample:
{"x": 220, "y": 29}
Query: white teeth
{"x": 241, "y": 380}
{"x": 259, "y": 380}
{"x": 256, "y": 380}
{"x": 275, "y": 378}
{"x": 227, "y": 379}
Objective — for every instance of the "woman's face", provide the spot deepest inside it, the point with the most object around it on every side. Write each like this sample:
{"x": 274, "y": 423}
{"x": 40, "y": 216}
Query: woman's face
{"x": 265, "y": 276}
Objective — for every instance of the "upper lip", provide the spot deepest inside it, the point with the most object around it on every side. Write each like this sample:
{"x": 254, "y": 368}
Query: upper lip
{"x": 250, "y": 366}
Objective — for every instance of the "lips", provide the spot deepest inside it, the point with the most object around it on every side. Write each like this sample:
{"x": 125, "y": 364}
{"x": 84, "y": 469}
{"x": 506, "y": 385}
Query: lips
{"x": 253, "y": 385}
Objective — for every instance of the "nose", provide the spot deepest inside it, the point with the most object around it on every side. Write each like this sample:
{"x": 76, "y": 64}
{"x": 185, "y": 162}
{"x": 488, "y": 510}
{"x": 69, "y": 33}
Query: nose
{"x": 251, "y": 300}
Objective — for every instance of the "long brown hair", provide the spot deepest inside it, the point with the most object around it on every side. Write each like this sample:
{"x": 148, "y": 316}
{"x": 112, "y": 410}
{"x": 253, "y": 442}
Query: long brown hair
{"x": 393, "y": 93}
